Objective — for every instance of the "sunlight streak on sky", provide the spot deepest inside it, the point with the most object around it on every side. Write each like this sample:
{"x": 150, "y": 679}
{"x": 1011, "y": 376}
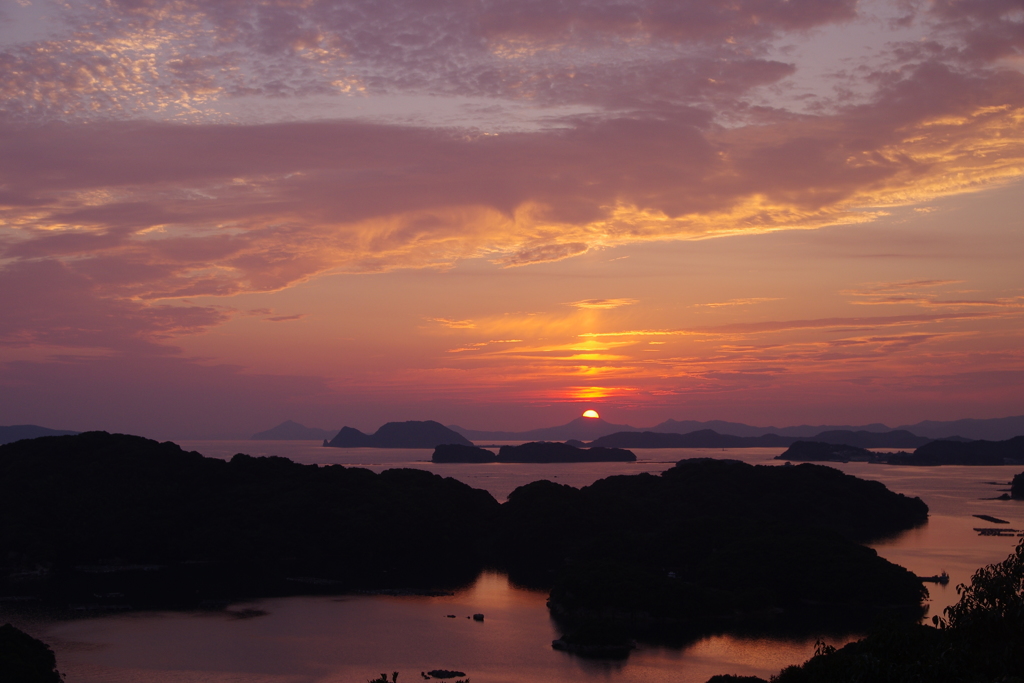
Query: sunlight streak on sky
{"x": 344, "y": 211}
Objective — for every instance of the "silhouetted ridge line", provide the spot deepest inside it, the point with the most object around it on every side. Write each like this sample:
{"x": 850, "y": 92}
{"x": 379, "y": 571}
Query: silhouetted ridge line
{"x": 111, "y": 513}
{"x": 707, "y": 438}
{"x": 979, "y": 452}
{"x": 992, "y": 429}
{"x": 585, "y": 429}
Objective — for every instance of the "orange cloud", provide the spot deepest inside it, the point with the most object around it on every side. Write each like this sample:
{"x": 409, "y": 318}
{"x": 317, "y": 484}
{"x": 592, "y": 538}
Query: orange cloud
{"x": 152, "y": 154}
{"x": 739, "y": 302}
{"x": 602, "y": 303}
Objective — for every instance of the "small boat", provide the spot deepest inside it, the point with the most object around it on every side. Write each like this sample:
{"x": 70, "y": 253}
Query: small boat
{"x": 942, "y": 578}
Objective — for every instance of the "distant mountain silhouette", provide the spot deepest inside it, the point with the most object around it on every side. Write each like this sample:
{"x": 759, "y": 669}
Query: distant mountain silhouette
{"x": 19, "y": 432}
{"x": 411, "y": 434}
{"x": 1009, "y": 452}
{"x": 293, "y": 431}
{"x": 586, "y": 429}
{"x": 740, "y": 429}
{"x": 708, "y": 438}
{"x": 898, "y": 438}
{"x": 996, "y": 429}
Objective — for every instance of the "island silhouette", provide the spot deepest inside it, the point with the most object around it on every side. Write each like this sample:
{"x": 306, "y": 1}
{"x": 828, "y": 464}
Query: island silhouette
{"x": 410, "y": 434}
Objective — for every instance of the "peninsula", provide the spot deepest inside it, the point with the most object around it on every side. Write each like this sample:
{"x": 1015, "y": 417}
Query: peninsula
{"x": 1009, "y": 452}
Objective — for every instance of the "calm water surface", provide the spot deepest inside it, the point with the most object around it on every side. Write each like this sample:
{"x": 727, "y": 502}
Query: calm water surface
{"x": 354, "y": 638}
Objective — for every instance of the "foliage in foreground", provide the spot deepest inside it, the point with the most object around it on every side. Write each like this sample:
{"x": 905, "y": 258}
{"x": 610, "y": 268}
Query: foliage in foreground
{"x": 23, "y": 659}
{"x": 104, "y": 514}
{"x": 981, "y": 638}
{"x": 433, "y": 674}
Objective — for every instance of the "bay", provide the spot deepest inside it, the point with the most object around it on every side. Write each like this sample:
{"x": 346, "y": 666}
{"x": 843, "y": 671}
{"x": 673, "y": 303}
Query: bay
{"x": 355, "y": 638}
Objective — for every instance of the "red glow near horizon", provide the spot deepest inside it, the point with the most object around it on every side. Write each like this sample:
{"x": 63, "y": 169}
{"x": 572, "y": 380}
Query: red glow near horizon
{"x": 491, "y": 216}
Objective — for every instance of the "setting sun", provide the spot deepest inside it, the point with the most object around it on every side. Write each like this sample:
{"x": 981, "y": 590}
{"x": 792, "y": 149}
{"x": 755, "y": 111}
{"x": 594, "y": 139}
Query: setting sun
{"x": 591, "y": 413}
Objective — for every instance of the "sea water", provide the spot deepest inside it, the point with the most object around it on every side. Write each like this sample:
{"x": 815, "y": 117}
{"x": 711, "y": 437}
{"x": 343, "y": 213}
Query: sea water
{"x": 352, "y": 639}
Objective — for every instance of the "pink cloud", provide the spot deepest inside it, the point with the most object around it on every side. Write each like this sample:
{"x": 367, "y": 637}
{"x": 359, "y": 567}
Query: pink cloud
{"x": 120, "y": 60}
{"x": 154, "y": 210}
{"x": 48, "y": 304}
{"x": 990, "y": 29}
{"x": 123, "y": 190}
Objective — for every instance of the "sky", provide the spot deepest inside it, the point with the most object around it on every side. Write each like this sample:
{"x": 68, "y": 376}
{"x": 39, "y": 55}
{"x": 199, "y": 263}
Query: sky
{"x": 218, "y": 215}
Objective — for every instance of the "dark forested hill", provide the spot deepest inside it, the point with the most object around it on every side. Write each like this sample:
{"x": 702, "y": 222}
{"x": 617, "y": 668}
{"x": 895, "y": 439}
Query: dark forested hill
{"x": 707, "y": 544}
{"x": 710, "y": 539}
{"x": 121, "y": 510}
{"x": 1010, "y": 451}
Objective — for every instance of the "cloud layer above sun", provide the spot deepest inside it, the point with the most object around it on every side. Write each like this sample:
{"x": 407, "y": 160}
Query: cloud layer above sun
{"x": 160, "y": 158}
